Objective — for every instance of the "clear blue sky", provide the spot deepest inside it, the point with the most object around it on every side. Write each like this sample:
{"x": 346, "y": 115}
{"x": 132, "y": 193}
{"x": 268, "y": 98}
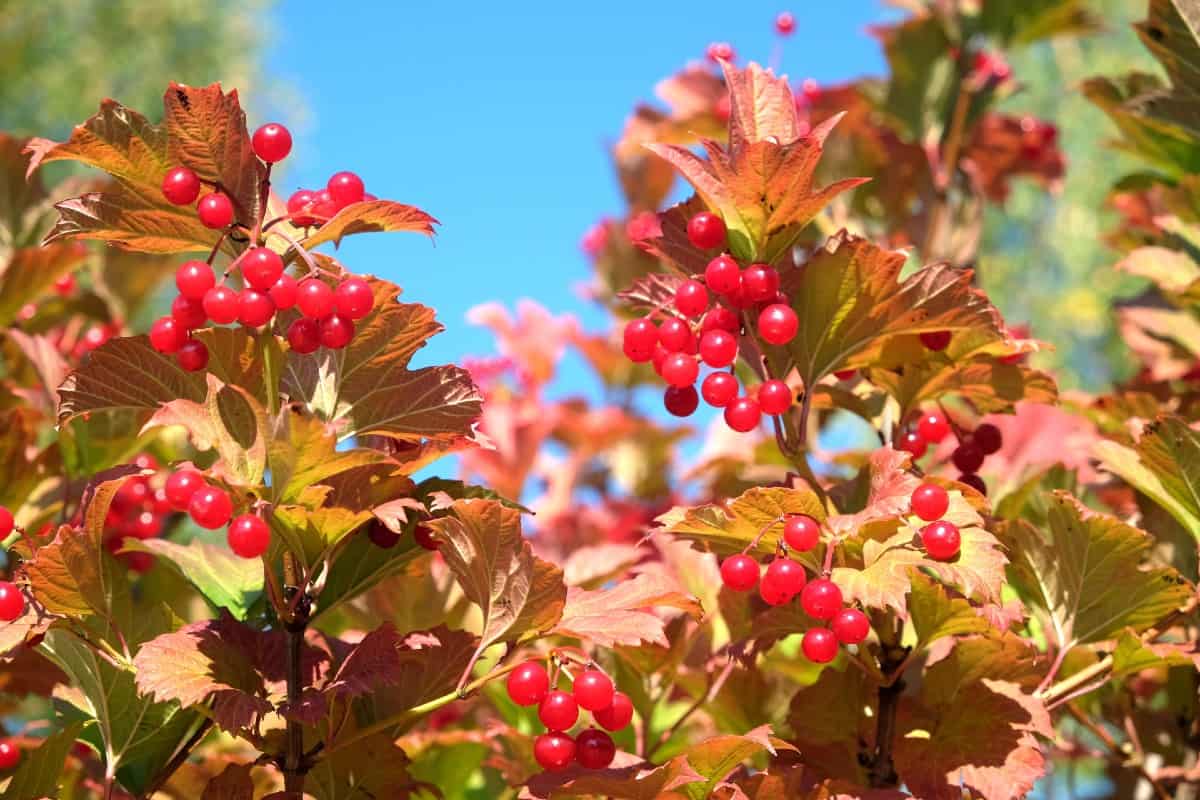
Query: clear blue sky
{"x": 495, "y": 117}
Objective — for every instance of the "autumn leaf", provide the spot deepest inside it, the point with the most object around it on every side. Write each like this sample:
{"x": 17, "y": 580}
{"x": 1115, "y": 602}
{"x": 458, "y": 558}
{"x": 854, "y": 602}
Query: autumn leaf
{"x": 234, "y": 783}
{"x": 882, "y": 491}
{"x": 935, "y": 614}
{"x": 29, "y": 272}
{"x": 302, "y": 452}
{"x": 1164, "y": 465}
{"x": 831, "y": 735}
{"x": 227, "y": 581}
{"x": 374, "y": 767}
{"x": 728, "y": 528}
{"x": 371, "y": 216}
{"x": 430, "y": 664}
{"x": 989, "y": 384}
{"x": 622, "y": 614}
{"x": 40, "y": 772}
{"x": 311, "y": 533}
{"x": 1132, "y": 655}
{"x": 372, "y": 663}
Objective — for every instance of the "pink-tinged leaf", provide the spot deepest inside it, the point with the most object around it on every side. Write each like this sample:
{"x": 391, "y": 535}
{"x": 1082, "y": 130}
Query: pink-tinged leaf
{"x": 375, "y": 767}
{"x": 234, "y": 783}
{"x": 309, "y": 709}
{"x": 372, "y": 663}
{"x": 889, "y": 490}
{"x": 628, "y": 777}
{"x": 43, "y": 355}
{"x": 34, "y": 621}
{"x": 372, "y": 216}
{"x": 594, "y": 564}
{"x": 533, "y": 340}
{"x": 623, "y": 614}
{"x": 761, "y": 107}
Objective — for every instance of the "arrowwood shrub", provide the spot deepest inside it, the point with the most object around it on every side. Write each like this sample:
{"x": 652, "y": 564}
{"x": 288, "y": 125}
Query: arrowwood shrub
{"x": 224, "y": 578}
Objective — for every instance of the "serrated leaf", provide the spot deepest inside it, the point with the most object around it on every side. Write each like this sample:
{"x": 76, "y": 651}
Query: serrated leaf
{"x": 727, "y": 528}
{"x": 372, "y": 663}
{"x": 622, "y": 615}
{"x": 988, "y": 384}
{"x": 311, "y": 533}
{"x": 1170, "y": 449}
{"x": 833, "y": 734}
{"x": 935, "y": 614}
{"x": 430, "y": 664}
{"x": 40, "y": 772}
{"x": 227, "y": 581}
{"x": 374, "y": 767}
{"x": 668, "y": 782}
{"x": 302, "y": 452}
{"x": 371, "y": 216}
{"x": 1132, "y": 655}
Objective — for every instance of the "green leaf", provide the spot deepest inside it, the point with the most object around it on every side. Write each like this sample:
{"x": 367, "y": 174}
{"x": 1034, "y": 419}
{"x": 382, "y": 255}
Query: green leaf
{"x": 1126, "y": 463}
{"x": 371, "y": 216}
{"x": 1029, "y": 21}
{"x": 1132, "y": 655}
{"x": 303, "y": 452}
{"x": 312, "y": 533}
{"x": 226, "y": 581}
{"x": 41, "y": 770}
{"x": 1170, "y": 449}
{"x": 935, "y": 614}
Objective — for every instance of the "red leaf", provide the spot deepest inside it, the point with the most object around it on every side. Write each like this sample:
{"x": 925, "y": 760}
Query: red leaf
{"x": 372, "y": 663}
{"x": 622, "y": 615}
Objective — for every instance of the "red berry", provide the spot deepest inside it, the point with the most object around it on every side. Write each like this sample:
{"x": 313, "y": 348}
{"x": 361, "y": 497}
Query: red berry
{"x": 594, "y": 749}
{"x": 739, "y": 572}
{"x": 65, "y": 285}
{"x": 720, "y": 51}
{"x": 283, "y": 292}
{"x": 640, "y": 339}
{"x": 181, "y": 186}
{"x": 215, "y": 210}
{"x": 967, "y": 457}
{"x": 323, "y": 206}
{"x": 12, "y": 602}
{"x": 353, "y": 298}
{"x": 10, "y": 754}
{"x": 936, "y": 340}
{"x": 554, "y": 751}
{"x": 974, "y": 481}
{"x": 210, "y": 507}
{"x": 381, "y": 535}
{"x": 850, "y": 626}
{"x": 774, "y": 397}
{"x": 345, "y": 188}
{"x": 743, "y": 415}
{"x": 423, "y": 535}
{"x": 680, "y": 370}
{"x": 221, "y": 305}
{"x": 617, "y": 715}
{"x": 145, "y": 525}
{"x": 299, "y": 204}
{"x": 272, "y": 142}
{"x": 941, "y": 540}
{"x": 681, "y": 401}
{"x": 930, "y": 501}
{"x": 528, "y": 684}
{"x": 845, "y": 374}
{"x": 691, "y": 298}
{"x": 821, "y": 599}
{"x": 785, "y": 577}
{"x": 760, "y": 282}
{"x": 706, "y": 231}
{"x": 723, "y": 275}
{"x": 718, "y": 348}
{"x": 675, "y": 335}
{"x": 988, "y": 439}
{"x": 719, "y": 389}
{"x": 255, "y": 308}
{"x": 249, "y": 536}
{"x": 188, "y": 313}
{"x": 140, "y": 563}
{"x": 304, "y": 335}
{"x": 7, "y": 523}
{"x": 933, "y": 427}
{"x": 261, "y": 267}
{"x": 720, "y": 318}
{"x": 785, "y": 23}
{"x": 913, "y": 443}
{"x": 738, "y": 298}
{"x": 180, "y": 487}
{"x": 315, "y": 298}
{"x": 801, "y": 532}
{"x": 593, "y": 690}
{"x": 820, "y": 645}
{"x": 558, "y": 711}
{"x": 336, "y": 331}
{"x": 167, "y": 335}
{"x": 777, "y": 324}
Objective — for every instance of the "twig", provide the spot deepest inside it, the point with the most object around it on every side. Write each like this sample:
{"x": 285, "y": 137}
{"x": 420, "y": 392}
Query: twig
{"x": 294, "y": 766}
{"x": 761, "y": 533}
{"x": 1115, "y": 750}
{"x": 181, "y": 755}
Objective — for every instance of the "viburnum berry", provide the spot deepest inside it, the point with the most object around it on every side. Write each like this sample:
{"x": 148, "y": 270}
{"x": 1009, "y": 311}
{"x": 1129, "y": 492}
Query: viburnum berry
{"x": 593, "y": 690}
{"x": 820, "y": 645}
{"x": 381, "y": 535}
{"x": 284, "y": 292}
{"x": 618, "y": 715}
{"x": 146, "y": 525}
{"x": 180, "y": 487}
{"x": 639, "y": 340}
{"x": 10, "y": 754}
{"x": 528, "y": 684}
{"x": 718, "y": 348}
{"x": 304, "y": 335}
{"x": 674, "y": 334}
{"x": 315, "y": 298}
{"x": 7, "y": 523}
{"x": 336, "y": 331}
{"x": 988, "y": 439}
{"x": 967, "y": 457}
{"x": 215, "y": 210}
{"x": 845, "y": 374}
{"x": 739, "y": 572}
{"x": 722, "y": 319}
{"x": 936, "y": 340}
{"x": 261, "y": 267}
{"x": 681, "y": 401}
{"x": 255, "y": 308}
{"x": 167, "y": 335}
{"x": 188, "y": 313}
{"x": 933, "y": 427}
{"x": 323, "y": 207}
{"x": 181, "y": 186}
{"x": 723, "y": 275}
{"x": 594, "y": 749}
{"x": 706, "y": 231}
{"x": 974, "y": 481}
{"x": 785, "y": 23}
{"x": 760, "y": 282}
{"x": 272, "y": 142}
{"x": 821, "y": 599}
{"x": 801, "y": 532}
{"x": 941, "y": 540}
{"x": 210, "y": 507}
{"x": 777, "y": 324}
{"x": 679, "y": 369}
{"x": 298, "y": 206}
{"x": 720, "y": 51}
{"x": 850, "y": 626}
{"x": 558, "y": 711}
{"x": 783, "y": 578}
{"x": 719, "y": 389}
{"x": 930, "y": 501}
{"x": 743, "y": 414}
{"x": 739, "y": 299}
{"x": 554, "y": 751}
{"x": 249, "y": 536}
{"x": 691, "y": 298}
{"x": 65, "y": 285}
{"x": 912, "y": 442}
{"x": 423, "y": 535}
{"x": 353, "y": 298}
{"x": 12, "y": 602}
{"x": 774, "y": 397}
{"x": 345, "y": 188}
{"x": 221, "y": 304}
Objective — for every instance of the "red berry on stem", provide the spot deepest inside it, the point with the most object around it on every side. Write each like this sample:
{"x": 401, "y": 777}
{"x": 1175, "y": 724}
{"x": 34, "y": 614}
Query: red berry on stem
{"x": 850, "y": 626}
{"x": 681, "y": 401}
{"x": 617, "y": 715}
{"x": 760, "y": 282}
{"x": 720, "y": 318}
{"x": 323, "y": 206}
{"x": 967, "y": 457}
{"x": 181, "y": 186}
{"x": 777, "y": 324}
{"x": 723, "y": 275}
{"x": 261, "y": 267}
{"x": 193, "y": 279}
{"x": 65, "y": 286}
{"x": 284, "y": 292}
{"x": 554, "y": 751}
{"x": 188, "y": 313}
{"x": 221, "y": 304}
{"x": 7, "y": 523}
{"x": 558, "y": 711}
{"x": 272, "y": 142}
{"x": 12, "y": 602}
{"x": 720, "y": 51}
{"x": 210, "y": 507}
{"x": 913, "y": 443}
{"x": 304, "y": 335}
{"x": 10, "y": 754}
{"x": 845, "y": 374}
{"x": 718, "y": 348}
{"x": 743, "y": 415}
{"x": 820, "y": 645}
{"x": 706, "y": 231}
{"x": 594, "y": 749}
{"x": 801, "y": 532}
{"x": 930, "y": 501}
{"x": 974, "y": 481}
{"x": 145, "y": 525}
{"x": 215, "y": 210}
{"x": 739, "y": 572}
{"x": 345, "y": 188}
{"x": 691, "y": 298}
{"x": 933, "y": 427}
{"x": 719, "y": 389}
{"x": 249, "y": 536}
{"x": 774, "y": 397}
{"x": 381, "y": 535}
{"x": 639, "y": 340}
{"x": 821, "y": 599}
{"x": 675, "y": 335}
{"x": 679, "y": 369}
{"x": 180, "y": 487}
{"x": 298, "y": 206}
{"x": 255, "y": 308}
{"x": 315, "y": 298}
{"x": 941, "y": 540}
{"x": 336, "y": 331}
{"x": 988, "y": 439}
{"x": 936, "y": 340}
{"x": 785, "y": 23}
{"x": 167, "y": 335}
{"x": 528, "y": 684}
{"x": 353, "y": 298}
{"x": 786, "y": 576}
{"x": 423, "y": 535}
{"x": 593, "y": 690}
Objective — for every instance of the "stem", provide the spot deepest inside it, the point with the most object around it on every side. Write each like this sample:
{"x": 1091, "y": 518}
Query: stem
{"x": 882, "y": 771}
{"x": 761, "y": 533}
{"x": 1117, "y": 754}
{"x": 830, "y": 550}
{"x": 1052, "y": 673}
{"x": 299, "y": 248}
{"x": 945, "y": 171}
{"x": 181, "y": 755}
{"x": 294, "y": 762}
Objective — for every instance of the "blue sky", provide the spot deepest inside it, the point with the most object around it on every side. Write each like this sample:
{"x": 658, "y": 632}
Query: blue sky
{"x": 495, "y": 117}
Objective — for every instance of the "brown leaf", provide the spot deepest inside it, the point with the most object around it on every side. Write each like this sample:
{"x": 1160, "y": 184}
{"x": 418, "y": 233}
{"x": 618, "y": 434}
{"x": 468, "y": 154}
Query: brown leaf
{"x": 371, "y": 216}
{"x": 31, "y": 271}
{"x": 430, "y": 664}
{"x": 234, "y": 783}
{"x": 622, "y": 615}
{"x": 372, "y": 663}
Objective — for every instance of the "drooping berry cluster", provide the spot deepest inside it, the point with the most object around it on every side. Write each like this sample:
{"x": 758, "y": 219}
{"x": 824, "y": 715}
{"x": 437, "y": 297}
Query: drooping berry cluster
{"x": 210, "y": 507}
{"x": 785, "y": 578}
{"x": 940, "y": 538}
{"x": 529, "y": 685}
{"x": 973, "y": 446}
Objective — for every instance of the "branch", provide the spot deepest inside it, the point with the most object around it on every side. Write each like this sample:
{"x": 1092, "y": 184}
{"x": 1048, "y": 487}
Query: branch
{"x": 295, "y": 765}
{"x": 181, "y": 755}
{"x": 882, "y": 771}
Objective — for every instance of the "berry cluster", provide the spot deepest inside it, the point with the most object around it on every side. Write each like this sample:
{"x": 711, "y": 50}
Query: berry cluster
{"x": 138, "y": 511}
{"x": 210, "y": 507}
{"x": 940, "y": 537}
{"x": 700, "y": 332}
{"x": 12, "y": 602}
{"x": 328, "y": 313}
{"x": 820, "y": 598}
{"x": 384, "y": 537}
{"x": 973, "y": 446}
{"x": 592, "y": 690}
